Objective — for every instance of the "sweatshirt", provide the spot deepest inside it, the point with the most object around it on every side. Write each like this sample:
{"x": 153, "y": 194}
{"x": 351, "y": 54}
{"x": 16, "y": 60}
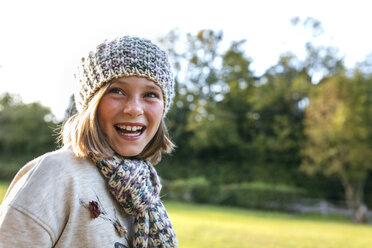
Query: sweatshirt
{"x": 57, "y": 200}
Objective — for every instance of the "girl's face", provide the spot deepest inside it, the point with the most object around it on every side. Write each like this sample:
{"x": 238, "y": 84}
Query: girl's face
{"x": 129, "y": 114}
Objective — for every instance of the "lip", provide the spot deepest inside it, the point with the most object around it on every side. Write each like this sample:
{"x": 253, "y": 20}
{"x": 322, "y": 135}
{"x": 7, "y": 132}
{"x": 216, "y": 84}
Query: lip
{"x": 132, "y": 124}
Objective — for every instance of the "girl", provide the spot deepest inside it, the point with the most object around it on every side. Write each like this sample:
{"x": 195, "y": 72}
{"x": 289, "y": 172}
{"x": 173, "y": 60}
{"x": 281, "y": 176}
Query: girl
{"x": 100, "y": 189}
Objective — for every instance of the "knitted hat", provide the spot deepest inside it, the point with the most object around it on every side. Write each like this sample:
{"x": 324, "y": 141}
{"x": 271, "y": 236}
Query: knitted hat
{"x": 126, "y": 56}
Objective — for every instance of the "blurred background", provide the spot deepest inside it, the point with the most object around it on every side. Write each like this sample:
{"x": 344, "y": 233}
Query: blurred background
{"x": 272, "y": 111}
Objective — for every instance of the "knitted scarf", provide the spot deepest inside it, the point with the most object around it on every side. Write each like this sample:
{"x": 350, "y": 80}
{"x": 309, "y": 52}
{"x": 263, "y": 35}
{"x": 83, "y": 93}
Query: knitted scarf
{"x": 136, "y": 186}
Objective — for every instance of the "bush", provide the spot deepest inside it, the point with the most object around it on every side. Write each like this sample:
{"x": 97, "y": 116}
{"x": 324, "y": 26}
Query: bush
{"x": 196, "y": 189}
{"x": 9, "y": 166}
{"x": 258, "y": 195}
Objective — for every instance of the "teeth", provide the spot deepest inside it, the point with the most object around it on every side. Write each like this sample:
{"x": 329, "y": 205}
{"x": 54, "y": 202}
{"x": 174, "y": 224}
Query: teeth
{"x": 131, "y": 134}
{"x": 136, "y": 128}
{"x": 130, "y": 128}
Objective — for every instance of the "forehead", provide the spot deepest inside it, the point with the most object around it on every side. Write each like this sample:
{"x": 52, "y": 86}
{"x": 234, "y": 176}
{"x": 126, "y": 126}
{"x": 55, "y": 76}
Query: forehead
{"x": 135, "y": 81}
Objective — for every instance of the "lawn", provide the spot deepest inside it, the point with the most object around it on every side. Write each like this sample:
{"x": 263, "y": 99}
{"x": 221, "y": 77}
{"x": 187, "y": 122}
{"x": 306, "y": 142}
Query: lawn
{"x": 3, "y": 187}
{"x": 202, "y": 226}
{"x": 205, "y": 226}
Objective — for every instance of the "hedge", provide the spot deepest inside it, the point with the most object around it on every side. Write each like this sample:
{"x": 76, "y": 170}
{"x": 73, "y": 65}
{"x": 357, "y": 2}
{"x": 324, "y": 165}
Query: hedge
{"x": 248, "y": 195}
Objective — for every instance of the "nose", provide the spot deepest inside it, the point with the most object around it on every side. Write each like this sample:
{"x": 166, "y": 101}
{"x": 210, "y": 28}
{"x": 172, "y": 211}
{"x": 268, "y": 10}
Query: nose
{"x": 133, "y": 107}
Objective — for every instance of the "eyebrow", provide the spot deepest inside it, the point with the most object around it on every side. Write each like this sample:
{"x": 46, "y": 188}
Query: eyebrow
{"x": 153, "y": 87}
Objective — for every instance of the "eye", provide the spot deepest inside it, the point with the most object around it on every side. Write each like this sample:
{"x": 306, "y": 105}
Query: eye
{"x": 115, "y": 91}
{"x": 152, "y": 95}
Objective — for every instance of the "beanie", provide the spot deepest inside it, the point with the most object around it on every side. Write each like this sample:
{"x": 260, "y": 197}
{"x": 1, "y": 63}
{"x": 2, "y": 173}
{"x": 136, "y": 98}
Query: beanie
{"x": 123, "y": 57}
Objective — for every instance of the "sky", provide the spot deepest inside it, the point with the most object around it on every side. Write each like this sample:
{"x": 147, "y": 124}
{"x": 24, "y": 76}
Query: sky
{"x": 42, "y": 41}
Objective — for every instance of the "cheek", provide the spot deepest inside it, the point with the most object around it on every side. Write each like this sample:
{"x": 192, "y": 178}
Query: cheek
{"x": 101, "y": 120}
{"x": 156, "y": 114}
{"x": 104, "y": 114}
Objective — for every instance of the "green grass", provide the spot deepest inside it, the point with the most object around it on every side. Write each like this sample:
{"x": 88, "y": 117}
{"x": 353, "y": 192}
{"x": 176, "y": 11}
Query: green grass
{"x": 3, "y": 187}
{"x": 205, "y": 226}
{"x": 199, "y": 226}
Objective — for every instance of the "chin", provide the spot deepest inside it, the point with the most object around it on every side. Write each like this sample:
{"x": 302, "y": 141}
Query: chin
{"x": 129, "y": 153}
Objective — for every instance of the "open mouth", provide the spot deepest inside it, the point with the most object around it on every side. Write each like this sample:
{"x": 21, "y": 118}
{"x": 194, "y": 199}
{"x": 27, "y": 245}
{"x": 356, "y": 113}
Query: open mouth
{"x": 130, "y": 131}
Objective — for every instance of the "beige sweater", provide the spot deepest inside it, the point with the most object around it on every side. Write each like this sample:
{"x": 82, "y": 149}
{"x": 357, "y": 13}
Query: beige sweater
{"x": 47, "y": 205}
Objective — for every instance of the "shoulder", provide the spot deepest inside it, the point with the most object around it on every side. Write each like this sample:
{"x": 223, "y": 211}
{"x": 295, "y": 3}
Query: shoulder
{"x": 61, "y": 158}
{"x": 50, "y": 158}
{"x": 54, "y": 191}
{"x": 54, "y": 159}
{"x": 60, "y": 164}
{"x": 47, "y": 176}
{"x": 44, "y": 190}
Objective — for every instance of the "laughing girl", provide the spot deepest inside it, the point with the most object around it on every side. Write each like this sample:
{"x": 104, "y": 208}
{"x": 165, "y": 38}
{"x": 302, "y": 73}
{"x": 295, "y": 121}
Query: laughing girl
{"x": 101, "y": 188}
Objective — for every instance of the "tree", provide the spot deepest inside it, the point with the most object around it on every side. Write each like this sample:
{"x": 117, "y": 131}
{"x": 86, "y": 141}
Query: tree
{"x": 27, "y": 131}
{"x": 209, "y": 119}
{"x": 278, "y": 112}
{"x": 339, "y": 135}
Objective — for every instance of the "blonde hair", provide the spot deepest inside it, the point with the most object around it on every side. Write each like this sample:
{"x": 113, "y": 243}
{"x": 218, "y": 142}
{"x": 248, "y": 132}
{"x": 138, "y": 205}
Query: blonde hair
{"x": 82, "y": 132}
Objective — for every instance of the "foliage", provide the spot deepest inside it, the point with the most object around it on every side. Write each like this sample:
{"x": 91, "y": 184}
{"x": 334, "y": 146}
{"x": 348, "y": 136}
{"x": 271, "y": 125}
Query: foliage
{"x": 255, "y": 195}
{"x": 231, "y": 126}
{"x": 258, "y": 195}
{"x": 278, "y": 115}
{"x": 208, "y": 119}
{"x": 339, "y": 134}
{"x": 26, "y": 132}
{"x": 191, "y": 189}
